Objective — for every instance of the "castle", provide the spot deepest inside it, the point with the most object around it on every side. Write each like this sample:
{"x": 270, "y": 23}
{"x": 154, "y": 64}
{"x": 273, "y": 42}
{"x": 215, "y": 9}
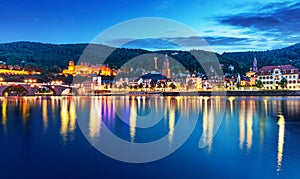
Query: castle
{"x": 85, "y": 69}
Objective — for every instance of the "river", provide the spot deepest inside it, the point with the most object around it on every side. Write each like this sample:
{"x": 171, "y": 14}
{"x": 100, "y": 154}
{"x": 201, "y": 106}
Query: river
{"x": 203, "y": 137}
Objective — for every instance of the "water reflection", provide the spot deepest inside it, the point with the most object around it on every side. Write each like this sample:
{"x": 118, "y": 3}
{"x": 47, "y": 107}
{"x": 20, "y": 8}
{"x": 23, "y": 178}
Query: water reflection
{"x": 249, "y": 115}
{"x": 24, "y": 106}
{"x": 68, "y": 119}
{"x": 4, "y": 117}
{"x": 281, "y": 123}
{"x": 172, "y": 108}
{"x": 132, "y": 119}
{"x": 242, "y": 123}
{"x": 45, "y": 114}
{"x": 95, "y": 119}
{"x": 252, "y": 118}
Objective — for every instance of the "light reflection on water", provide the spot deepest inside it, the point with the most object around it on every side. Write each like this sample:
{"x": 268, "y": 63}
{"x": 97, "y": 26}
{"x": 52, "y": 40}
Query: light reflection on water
{"x": 281, "y": 124}
{"x": 254, "y": 118}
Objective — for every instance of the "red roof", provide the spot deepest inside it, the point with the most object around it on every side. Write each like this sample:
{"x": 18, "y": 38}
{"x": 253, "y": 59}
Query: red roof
{"x": 288, "y": 69}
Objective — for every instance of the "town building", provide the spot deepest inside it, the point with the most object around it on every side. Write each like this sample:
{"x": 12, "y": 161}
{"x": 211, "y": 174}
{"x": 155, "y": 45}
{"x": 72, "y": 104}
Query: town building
{"x": 252, "y": 74}
{"x": 252, "y": 77}
{"x": 194, "y": 81}
{"x": 212, "y": 79}
{"x": 271, "y": 76}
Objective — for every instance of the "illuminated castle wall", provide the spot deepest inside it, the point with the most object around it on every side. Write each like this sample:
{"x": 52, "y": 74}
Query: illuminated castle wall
{"x": 84, "y": 69}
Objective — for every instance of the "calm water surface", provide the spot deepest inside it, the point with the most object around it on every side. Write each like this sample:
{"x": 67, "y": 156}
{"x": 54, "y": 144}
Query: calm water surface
{"x": 258, "y": 137}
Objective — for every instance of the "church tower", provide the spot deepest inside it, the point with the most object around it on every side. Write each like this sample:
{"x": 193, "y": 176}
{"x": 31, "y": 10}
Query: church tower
{"x": 166, "y": 67}
{"x": 155, "y": 63}
{"x": 255, "y": 64}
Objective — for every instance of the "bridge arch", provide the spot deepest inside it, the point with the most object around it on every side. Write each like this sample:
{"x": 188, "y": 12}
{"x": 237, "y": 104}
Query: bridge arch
{"x": 32, "y": 89}
{"x": 40, "y": 88}
{"x": 69, "y": 91}
{"x": 25, "y": 90}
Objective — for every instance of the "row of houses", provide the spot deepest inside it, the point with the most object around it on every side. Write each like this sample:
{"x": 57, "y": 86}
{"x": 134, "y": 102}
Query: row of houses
{"x": 267, "y": 77}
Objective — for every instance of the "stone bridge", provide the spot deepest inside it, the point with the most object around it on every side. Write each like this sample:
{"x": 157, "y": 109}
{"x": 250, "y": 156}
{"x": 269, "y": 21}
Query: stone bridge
{"x": 31, "y": 88}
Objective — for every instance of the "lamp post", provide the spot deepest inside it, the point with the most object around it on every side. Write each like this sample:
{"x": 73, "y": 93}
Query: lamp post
{"x": 30, "y": 81}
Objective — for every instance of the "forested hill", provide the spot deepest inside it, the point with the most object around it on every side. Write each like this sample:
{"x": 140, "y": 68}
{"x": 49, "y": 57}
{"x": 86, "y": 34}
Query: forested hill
{"x": 54, "y": 57}
{"x": 288, "y": 55}
{"x": 40, "y": 55}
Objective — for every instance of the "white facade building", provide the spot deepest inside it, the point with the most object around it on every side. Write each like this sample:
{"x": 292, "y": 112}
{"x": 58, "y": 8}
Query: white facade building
{"x": 270, "y": 76}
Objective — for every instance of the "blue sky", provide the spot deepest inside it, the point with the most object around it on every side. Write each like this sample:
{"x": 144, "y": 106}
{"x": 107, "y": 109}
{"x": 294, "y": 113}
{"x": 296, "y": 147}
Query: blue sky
{"x": 232, "y": 25}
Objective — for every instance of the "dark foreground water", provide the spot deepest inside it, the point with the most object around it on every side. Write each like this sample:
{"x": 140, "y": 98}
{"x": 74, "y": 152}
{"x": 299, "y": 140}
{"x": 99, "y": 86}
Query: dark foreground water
{"x": 49, "y": 137}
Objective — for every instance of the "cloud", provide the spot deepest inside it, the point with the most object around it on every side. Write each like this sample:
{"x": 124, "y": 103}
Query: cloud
{"x": 163, "y": 5}
{"x": 146, "y": 43}
{"x": 275, "y": 19}
{"x": 215, "y": 41}
{"x": 178, "y": 43}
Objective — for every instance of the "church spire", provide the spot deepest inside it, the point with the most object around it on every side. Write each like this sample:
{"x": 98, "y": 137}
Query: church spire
{"x": 166, "y": 71}
{"x": 255, "y": 64}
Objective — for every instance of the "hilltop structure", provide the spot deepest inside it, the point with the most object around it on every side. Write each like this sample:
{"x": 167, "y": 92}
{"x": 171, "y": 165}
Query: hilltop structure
{"x": 15, "y": 70}
{"x": 85, "y": 69}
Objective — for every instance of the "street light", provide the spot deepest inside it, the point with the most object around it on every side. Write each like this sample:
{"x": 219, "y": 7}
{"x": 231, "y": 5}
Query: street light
{"x": 30, "y": 81}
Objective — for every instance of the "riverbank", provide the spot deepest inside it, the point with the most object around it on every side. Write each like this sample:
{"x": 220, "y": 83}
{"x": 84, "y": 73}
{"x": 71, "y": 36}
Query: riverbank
{"x": 235, "y": 93}
{"x": 215, "y": 93}
{"x": 199, "y": 93}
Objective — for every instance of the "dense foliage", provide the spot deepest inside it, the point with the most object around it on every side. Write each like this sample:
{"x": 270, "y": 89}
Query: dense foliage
{"x": 53, "y": 58}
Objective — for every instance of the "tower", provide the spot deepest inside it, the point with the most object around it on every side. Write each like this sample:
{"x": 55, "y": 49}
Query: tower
{"x": 166, "y": 67}
{"x": 155, "y": 63}
{"x": 255, "y": 64}
{"x": 71, "y": 66}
